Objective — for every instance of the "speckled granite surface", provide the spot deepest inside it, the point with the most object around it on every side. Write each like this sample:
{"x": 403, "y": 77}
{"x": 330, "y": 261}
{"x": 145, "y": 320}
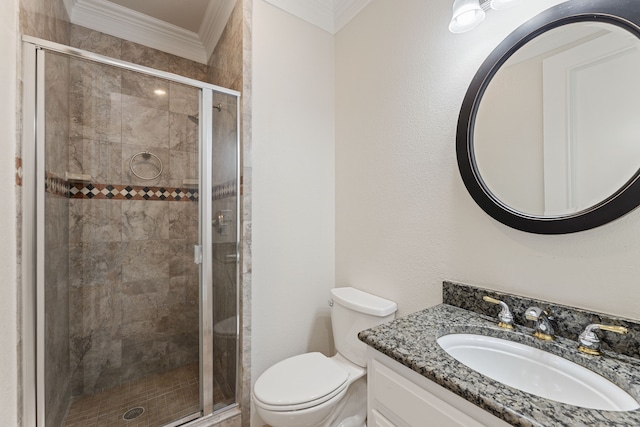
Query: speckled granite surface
{"x": 411, "y": 341}
{"x": 570, "y": 321}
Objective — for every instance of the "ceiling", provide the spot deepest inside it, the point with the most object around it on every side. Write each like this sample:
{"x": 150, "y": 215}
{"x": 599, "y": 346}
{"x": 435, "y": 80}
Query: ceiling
{"x": 192, "y": 28}
{"x": 330, "y": 15}
{"x": 187, "y": 14}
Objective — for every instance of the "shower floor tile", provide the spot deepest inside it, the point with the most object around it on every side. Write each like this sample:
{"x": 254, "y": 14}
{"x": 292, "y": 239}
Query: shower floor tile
{"x": 165, "y": 397}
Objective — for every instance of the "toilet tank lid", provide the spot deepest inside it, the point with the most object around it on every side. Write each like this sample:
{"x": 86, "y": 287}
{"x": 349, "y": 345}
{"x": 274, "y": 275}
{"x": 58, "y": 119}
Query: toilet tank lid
{"x": 363, "y": 302}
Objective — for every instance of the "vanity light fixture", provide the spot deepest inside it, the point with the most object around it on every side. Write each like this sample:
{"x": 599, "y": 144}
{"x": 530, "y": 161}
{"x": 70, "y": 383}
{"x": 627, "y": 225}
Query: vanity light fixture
{"x": 467, "y": 14}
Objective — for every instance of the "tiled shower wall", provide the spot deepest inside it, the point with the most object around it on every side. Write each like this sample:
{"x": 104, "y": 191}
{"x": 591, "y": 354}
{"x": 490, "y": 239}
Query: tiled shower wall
{"x": 134, "y": 285}
{"x": 225, "y": 136}
{"x": 47, "y": 19}
{"x": 225, "y": 64}
{"x": 114, "y": 47}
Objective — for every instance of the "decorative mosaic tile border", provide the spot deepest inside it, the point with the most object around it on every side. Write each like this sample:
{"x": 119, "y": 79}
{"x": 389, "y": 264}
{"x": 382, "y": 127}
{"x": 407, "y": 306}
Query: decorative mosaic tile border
{"x": 81, "y": 190}
{"x": 132, "y": 192}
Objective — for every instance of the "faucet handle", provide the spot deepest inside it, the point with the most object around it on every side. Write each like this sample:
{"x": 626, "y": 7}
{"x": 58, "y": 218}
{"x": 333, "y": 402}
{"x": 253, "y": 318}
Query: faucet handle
{"x": 505, "y": 316}
{"x": 589, "y": 341}
{"x": 544, "y": 329}
{"x": 534, "y": 313}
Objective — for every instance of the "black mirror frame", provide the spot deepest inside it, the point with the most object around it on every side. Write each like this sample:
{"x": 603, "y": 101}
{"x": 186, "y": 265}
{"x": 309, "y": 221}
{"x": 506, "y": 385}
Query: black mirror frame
{"x": 622, "y": 13}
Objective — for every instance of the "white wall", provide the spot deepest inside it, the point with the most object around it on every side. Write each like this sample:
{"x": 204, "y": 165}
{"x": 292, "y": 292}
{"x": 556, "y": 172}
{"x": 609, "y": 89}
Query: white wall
{"x": 8, "y": 297}
{"x": 404, "y": 220}
{"x": 293, "y": 187}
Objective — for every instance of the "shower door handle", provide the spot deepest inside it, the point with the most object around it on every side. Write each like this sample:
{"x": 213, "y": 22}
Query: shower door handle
{"x": 197, "y": 254}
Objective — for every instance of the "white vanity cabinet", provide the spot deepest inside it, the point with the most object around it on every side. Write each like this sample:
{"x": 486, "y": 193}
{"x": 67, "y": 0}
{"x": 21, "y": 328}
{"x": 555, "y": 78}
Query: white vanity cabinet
{"x": 400, "y": 397}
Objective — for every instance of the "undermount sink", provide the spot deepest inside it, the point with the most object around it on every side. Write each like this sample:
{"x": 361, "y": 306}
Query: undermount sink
{"x": 537, "y": 372}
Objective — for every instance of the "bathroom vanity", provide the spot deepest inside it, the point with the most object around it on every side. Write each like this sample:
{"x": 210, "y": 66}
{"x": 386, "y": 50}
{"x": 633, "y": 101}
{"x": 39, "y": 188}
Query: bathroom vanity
{"x": 413, "y": 382}
{"x": 399, "y": 396}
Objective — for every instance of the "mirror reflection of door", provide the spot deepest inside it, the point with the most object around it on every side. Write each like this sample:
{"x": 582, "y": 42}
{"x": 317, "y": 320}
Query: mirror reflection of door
{"x": 591, "y": 125}
{"x": 557, "y": 129}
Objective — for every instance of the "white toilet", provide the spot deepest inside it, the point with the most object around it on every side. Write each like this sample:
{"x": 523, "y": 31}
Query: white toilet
{"x": 312, "y": 390}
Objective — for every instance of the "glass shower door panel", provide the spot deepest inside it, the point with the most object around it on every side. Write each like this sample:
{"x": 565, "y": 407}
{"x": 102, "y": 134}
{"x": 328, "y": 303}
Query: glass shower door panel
{"x": 226, "y": 190}
{"x": 56, "y": 277}
{"x": 121, "y": 220}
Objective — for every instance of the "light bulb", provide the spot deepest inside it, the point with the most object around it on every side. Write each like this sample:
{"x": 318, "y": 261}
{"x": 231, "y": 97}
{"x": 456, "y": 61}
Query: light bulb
{"x": 467, "y": 18}
{"x": 467, "y": 14}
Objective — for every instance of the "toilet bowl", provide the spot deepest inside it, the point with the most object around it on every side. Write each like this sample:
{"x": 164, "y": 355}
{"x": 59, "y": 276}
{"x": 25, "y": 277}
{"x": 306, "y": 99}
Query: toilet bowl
{"x": 313, "y": 390}
{"x": 304, "y": 390}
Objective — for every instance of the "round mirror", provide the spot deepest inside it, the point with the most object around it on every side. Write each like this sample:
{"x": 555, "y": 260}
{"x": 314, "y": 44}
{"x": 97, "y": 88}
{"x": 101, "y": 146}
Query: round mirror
{"x": 549, "y": 135}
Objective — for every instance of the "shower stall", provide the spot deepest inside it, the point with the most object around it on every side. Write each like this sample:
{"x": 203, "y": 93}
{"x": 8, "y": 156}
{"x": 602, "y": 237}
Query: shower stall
{"x": 132, "y": 184}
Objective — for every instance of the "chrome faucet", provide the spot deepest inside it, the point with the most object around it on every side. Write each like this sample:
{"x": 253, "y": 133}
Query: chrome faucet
{"x": 589, "y": 341}
{"x": 543, "y": 328}
{"x": 505, "y": 317}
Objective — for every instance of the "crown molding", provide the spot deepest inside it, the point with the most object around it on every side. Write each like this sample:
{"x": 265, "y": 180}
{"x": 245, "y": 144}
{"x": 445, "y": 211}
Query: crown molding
{"x": 346, "y": 10}
{"x": 330, "y": 15}
{"x": 113, "y": 19}
{"x": 122, "y": 22}
{"x": 215, "y": 20}
{"x": 316, "y": 12}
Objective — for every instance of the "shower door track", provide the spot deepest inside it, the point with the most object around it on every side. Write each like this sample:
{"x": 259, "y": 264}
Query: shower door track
{"x": 33, "y": 326}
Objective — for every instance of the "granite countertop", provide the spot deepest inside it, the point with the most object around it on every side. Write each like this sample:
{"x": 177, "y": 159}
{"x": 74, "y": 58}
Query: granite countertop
{"x": 411, "y": 341}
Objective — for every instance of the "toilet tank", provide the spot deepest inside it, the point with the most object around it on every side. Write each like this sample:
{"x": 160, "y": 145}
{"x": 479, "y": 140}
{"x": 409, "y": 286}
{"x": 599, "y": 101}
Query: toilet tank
{"x": 353, "y": 311}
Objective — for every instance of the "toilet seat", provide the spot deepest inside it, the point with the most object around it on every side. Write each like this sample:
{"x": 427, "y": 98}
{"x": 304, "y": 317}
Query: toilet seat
{"x": 300, "y": 382}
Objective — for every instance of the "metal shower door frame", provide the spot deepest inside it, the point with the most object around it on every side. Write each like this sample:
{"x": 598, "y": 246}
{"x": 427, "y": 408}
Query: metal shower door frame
{"x": 33, "y": 222}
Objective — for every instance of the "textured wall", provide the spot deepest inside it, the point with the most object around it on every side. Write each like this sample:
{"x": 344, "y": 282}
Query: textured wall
{"x": 293, "y": 187}
{"x": 404, "y": 220}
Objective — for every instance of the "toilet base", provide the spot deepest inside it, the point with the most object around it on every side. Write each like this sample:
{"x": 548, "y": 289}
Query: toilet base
{"x": 349, "y": 409}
